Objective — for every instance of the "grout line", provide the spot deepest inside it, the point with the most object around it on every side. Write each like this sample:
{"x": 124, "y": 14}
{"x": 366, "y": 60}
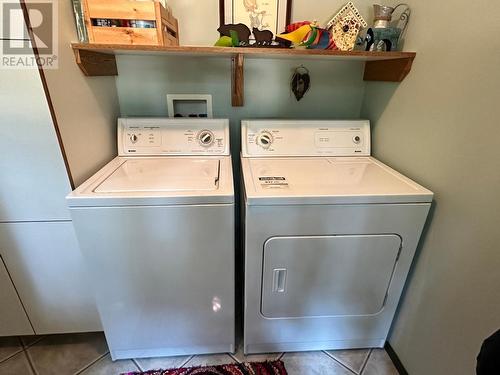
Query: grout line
{"x": 340, "y": 363}
{"x": 11, "y": 355}
{"x": 366, "y": 362}
{"x": 233, "y": 357}
{"x": 136, "y": 363}
{"x": 21, "y": 348}
{"x": 186, "y": 361}
{"x": 91, "y": 363}
{"x": 30, "y": 362}
{"x": 36, "y": 341}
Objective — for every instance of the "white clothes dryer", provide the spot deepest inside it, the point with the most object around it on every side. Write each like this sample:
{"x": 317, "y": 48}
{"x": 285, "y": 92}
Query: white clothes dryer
{"x": 329, "y": 236}
{"x": 156, "y": 228}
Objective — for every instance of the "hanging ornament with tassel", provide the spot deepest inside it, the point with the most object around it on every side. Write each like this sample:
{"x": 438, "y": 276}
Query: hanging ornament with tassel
{"x": 301, "y": 82}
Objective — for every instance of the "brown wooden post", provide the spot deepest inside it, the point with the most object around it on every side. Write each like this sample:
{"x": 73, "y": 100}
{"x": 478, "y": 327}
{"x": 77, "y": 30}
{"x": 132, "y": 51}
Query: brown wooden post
{"x": 237, "y": 80}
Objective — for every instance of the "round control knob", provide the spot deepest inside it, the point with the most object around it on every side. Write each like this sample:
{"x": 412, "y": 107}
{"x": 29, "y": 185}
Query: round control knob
{"x": 206, "y": 138}
{"x": 265, "y": 139}
{"x": 356, "y": 139}
{"x": 134, "y": 138}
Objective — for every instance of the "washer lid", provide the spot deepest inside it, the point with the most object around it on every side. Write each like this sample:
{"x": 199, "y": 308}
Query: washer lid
{"x": 163, "y": 175}
{"x": 317, "y": 180}
{"x": 158, "y": 181}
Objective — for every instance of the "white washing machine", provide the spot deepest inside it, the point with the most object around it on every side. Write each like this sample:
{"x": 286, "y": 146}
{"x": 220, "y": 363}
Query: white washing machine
{"x": 156, "y": 228}
{"x": 330, "y": 234}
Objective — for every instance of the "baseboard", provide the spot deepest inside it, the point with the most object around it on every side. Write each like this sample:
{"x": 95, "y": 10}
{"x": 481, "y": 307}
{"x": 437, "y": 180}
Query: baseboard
{"x": 302, "y": 346}
{"x": 395, "y": 359}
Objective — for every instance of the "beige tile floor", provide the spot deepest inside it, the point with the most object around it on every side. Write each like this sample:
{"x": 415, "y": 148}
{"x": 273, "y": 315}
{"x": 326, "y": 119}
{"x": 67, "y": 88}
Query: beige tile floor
{"x": 87, "y": 354}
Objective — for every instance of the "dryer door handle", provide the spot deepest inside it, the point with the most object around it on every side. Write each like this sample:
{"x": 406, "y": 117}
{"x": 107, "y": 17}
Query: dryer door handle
{"x": 279, "y": 280}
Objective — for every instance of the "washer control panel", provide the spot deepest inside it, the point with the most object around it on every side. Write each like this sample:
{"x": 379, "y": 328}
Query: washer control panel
{"x": 265, "y": 139}
{"x": 167, "y": 136}
{"x": 206, "y": 138}
{"x": 305, "y": 138}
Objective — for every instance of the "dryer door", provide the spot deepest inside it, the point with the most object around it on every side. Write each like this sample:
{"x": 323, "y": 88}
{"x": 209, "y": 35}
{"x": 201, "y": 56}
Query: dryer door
{"x": 327, "y": 275}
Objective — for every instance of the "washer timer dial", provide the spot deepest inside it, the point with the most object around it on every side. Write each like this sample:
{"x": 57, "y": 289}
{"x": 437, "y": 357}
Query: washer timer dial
{"x": 206, "y": 138}
{"x": 134, "y": 138}
{"x": 265, "y": 139}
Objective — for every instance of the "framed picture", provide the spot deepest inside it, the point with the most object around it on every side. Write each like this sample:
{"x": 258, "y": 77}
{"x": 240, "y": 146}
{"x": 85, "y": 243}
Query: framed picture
{"x": 272, "y": 15}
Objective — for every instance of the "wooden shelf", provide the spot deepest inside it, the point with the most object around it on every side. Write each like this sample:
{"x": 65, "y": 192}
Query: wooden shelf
{"x": 99, "y": 60}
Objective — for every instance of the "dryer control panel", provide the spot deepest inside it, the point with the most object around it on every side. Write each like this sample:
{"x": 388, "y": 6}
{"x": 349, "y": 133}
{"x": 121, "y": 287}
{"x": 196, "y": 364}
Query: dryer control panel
{"x": 171, "y": 136}
{"x": 305, "y": 138}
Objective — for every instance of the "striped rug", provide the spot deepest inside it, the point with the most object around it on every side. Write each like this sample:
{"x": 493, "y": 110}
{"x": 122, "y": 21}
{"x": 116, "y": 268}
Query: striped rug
{"x": 252, "y": 368}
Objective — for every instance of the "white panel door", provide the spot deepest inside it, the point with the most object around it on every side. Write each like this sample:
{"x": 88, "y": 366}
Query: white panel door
{"x": 13, "y": 319}
{"x": 48, "y": 270}
{"x": 34, "y": 181}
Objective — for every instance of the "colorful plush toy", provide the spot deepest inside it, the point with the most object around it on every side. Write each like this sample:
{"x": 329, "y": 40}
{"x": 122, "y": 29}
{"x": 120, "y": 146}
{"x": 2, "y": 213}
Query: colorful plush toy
{"x": 298, "y": 35}
{"x": 224, "y": 41}
{"x": 296, "y": 25}
{"x": 323, "y": 41}
{"x": 308, "y": 34}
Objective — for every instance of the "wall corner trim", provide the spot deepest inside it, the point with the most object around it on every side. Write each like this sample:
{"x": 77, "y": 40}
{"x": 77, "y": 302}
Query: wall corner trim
{"x": 395, "y": 359}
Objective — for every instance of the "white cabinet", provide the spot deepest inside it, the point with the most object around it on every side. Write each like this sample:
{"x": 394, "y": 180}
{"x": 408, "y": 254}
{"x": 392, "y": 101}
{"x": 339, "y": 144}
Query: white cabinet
{"x": 48, "y": 271}
{"x": 13, "y": 319}
{"x": 33, "y": 178}
{"x": 12, "y": 16}
{"x": 43, "y": 280}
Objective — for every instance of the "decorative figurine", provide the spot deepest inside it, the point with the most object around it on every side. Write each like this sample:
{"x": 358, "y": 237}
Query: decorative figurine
{"x": 224, "y": 41}
{"x": 294, "y": 26}
{"x": 302, "y": 34}
{"x": 382, "y": 39}
{"x": 308, "y": 34}
{"x": 242, "y": 30}
{"x": 298, "y": 35}
{"x": 301, "y": 82}
{"x": 263, "y": 37}
{"x": 238, "y": 35}
{"x": 282, "y": 43}
{"x": 384, "y": 35}
{"x": 345, "y": 27}
{"x": 382, "y": 15}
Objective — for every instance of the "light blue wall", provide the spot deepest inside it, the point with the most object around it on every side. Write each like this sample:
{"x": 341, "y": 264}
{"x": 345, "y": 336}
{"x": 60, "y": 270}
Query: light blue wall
{"x": 337, "y": 88}
{"x": 440, "y": 126}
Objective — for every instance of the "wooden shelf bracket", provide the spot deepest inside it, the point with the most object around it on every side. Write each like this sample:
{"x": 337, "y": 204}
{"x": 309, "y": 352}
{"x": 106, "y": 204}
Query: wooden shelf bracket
{"x": 389, "y": 70}
{"x": 96, "y": 63}
{"x": 238, "y": 80}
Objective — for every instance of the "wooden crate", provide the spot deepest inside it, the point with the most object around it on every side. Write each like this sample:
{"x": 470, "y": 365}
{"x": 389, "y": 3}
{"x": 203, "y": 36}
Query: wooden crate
{"x": 166, "y": 32}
